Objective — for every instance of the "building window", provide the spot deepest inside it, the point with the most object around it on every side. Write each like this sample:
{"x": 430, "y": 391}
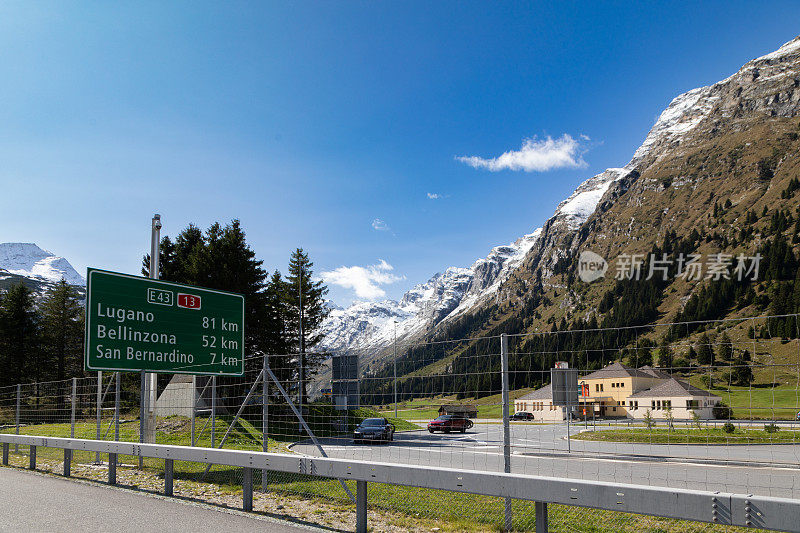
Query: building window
{"x": 601, "y": 387}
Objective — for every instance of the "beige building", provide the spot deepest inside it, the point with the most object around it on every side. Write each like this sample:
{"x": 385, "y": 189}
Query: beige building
{"x": 676, "y": 396}
{"x": 620, "y": 391}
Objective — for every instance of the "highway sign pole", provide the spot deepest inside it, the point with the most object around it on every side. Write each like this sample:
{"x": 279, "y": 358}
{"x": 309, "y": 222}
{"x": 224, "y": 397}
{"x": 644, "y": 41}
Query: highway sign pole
{"x": 152, "y": 382}
{"x": 506, "y": 428}
{"x": 99, "y": 411}
{"x": 194, "y": 404}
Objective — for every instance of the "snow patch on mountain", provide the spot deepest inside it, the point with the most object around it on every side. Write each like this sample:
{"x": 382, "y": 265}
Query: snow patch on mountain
{"x": 30, "y": 261}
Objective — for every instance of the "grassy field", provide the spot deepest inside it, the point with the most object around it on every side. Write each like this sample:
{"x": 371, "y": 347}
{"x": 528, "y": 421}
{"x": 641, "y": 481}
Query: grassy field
{"x": 691, "y": 436}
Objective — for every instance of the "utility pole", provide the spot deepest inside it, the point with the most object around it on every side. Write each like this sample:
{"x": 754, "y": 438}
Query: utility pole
{"x": 395, "y": 368}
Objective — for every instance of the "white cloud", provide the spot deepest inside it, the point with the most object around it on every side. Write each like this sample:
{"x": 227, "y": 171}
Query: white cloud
{"x": 365, "y": 281}
{"x": 434, "y": 196}
{"x": 380, "y": 225}
{"x": 534, "y": 156}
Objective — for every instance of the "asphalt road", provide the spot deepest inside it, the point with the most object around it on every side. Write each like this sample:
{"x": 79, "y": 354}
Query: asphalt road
{"x": 35, "y": 502}
{"x": 542, "y": 450}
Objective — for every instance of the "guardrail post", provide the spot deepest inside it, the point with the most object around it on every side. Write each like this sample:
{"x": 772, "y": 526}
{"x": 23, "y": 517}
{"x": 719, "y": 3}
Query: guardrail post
{"x": 541, "y": 517}
{"x": 67, "y": 461}
{"x": 247, "y": 489}
{"x": 168, "y": 476}
{"x": 361, "y": 507}
{"x": 112, "y": 469}
{"x": 32, "y": 462}
{"x": 5, "y": 454}
{"x": 506, "y": 428}
{"x": 72, "y": 408}
{"x": 19, "y": 396}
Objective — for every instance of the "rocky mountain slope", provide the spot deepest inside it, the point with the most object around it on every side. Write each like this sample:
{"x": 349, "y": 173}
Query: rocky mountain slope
{"x": 708, "y": 147}
{"x": 37, "y": 268}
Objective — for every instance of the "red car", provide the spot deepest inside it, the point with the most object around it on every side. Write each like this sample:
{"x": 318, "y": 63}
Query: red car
{"x": 448, "y": 423}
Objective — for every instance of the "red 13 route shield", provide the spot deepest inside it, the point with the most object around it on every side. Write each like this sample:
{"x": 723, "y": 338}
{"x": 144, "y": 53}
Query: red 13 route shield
{"x": 135, "y": 323}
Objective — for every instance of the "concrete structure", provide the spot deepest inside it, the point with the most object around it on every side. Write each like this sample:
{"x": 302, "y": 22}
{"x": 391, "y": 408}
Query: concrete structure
{"x": 540, "y": 404}
{"x": 178, "y": 396}
{"x": 620, "y": 391}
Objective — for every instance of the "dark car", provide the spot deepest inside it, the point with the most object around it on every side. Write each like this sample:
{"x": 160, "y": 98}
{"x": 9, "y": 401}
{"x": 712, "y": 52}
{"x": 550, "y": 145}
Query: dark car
{"x": 448, "y": 423}
{"x": 522, "y": 415}
{"x": 374, "y": 430}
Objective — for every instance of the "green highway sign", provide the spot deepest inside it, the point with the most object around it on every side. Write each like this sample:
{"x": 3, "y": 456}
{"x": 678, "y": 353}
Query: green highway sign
{"x": 135, "y": 323}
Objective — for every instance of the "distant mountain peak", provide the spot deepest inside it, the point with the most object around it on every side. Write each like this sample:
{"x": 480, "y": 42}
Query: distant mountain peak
{"x": 29, "y": 260}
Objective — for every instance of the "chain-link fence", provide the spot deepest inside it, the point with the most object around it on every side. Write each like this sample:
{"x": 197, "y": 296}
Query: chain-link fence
{"x": 702, "y": 406}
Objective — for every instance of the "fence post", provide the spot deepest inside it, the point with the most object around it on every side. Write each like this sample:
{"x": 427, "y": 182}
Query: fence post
{"x": 32, "y": 463}
{"x": 5, "y": 454}
{"x": 264, "y": 419}
{"x": 506, "y": 428}
{"x": 247, "y": 489}
{"x": 361, "y": 507}
{"x": 99, "y": 411}
{"x": 72, "y": 409}
{"x": 142, "y": 400}
{"x": 19, "y": 395}
{"x": 213, "y": 410}
{"x": 117, "y": 395}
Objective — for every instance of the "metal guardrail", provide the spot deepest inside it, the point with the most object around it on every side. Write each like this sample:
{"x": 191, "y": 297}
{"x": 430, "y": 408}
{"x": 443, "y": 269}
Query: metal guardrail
{"x": 703, "y": 506}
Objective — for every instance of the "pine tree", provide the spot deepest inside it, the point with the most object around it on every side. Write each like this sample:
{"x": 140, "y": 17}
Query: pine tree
{"x": 19, "y": 321}
{"x": 306, "y": 311}
{"x": 725, "y": 348}
{"x": 705, "y": 356}
{"x": 665, "y": 355}
{"x": 62, "y": 329}
{"x": 275, "y": 330}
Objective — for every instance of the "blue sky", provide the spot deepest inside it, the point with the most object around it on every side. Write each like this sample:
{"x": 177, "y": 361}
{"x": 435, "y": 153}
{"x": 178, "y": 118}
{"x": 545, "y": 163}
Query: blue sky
{"x": 316, "y": 123}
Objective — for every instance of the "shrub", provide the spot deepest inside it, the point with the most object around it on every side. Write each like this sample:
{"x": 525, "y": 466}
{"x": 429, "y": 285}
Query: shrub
{"x": 770, "y": 428}
{"x": 722, "y": 412}
{"x": 728, "y": 427}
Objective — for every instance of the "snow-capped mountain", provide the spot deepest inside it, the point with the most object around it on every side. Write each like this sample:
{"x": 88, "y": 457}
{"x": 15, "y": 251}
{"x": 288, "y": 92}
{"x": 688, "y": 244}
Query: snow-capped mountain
{"x": 30, "y": 261}
{"x": 371, "y": 325}
{"x": 462, "y": 290}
